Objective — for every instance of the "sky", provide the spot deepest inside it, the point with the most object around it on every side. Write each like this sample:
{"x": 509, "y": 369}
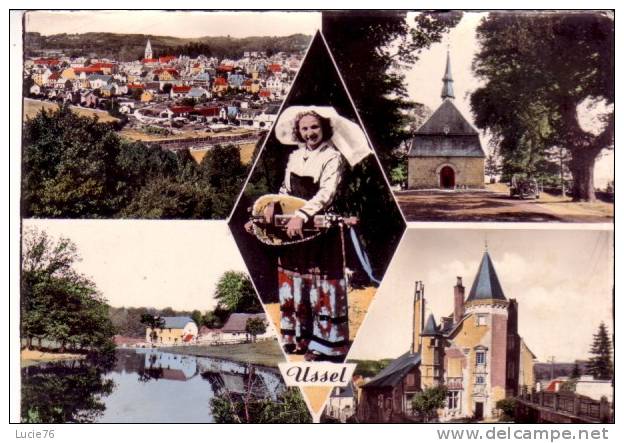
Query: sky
{"x": 187, "y": 24}
{"x": 424, "y": 81}
{"x": 151, "y": 263}
{"x": 562, "y": 280}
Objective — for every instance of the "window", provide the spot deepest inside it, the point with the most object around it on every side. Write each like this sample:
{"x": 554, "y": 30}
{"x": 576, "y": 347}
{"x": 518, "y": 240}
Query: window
{"x": 480, "y": 358}
{"x": 452, "y": 400}
{"x": 410, "y": 380}
{"x": 480, "y": 380}
{"x": 481, "y": 319}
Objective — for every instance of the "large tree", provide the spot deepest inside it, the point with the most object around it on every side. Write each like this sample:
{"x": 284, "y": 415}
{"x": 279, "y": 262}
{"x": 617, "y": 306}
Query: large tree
{"x": 372, "y": 50}
{"x": 540, "y": 72}
{"x": 69, "y": 167}
{"x": 57, "y": 302}
{"x": 601, "y": 364}
{"x": 235, "y": 293}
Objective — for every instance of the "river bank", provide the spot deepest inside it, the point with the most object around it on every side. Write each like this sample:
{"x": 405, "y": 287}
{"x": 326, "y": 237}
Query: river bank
{"x": 29, "y": 357}
{"x": 263, "y": 353}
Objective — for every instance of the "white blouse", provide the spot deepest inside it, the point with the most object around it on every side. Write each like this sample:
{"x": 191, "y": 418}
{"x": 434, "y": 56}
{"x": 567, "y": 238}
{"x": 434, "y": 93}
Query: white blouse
{"x": 325, "y": 165}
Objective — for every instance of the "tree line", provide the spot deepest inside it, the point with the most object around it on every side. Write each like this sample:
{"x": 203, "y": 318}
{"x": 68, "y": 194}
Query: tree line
{"x": 234, "y": 293}
{"x": 233, "y": 48}
{"x": 130, "y": 47}
{"x": 78, "y": 167}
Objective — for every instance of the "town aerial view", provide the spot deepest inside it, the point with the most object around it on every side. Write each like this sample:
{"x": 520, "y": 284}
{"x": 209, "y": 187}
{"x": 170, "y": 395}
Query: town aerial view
{"x": 166, "y": 97}
{"x": 169, "y": 98}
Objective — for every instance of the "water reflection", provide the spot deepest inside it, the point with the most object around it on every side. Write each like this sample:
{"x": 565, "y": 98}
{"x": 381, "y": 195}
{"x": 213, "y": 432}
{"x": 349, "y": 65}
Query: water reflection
{"x": 143, "y": 386}
{"x": 65, "y": 392}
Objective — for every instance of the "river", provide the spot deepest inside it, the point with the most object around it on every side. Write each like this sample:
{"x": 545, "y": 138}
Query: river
{"x": 140, "y": 386}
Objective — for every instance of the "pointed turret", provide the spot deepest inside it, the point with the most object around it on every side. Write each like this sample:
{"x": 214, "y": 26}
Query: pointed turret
{"x": 431, "y": 328}
{"x": 447, "y": 88}
{"x": 486, "y": 285}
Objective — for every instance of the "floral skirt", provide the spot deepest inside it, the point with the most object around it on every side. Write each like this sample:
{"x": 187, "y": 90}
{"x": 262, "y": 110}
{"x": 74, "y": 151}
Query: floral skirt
{"x": 314, "y": 313}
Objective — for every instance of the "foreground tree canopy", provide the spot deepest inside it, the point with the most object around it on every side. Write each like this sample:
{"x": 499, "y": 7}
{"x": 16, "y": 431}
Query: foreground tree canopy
{"x": 543, "y": 72}
{"x": 58, "y": 304}
{"x": 77, "y": 167}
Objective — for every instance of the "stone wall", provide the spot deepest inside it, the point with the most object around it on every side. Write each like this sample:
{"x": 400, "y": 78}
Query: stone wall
{"x": 423, "y": 172}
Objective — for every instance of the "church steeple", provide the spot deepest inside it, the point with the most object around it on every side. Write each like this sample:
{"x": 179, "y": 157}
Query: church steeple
{"x": 447, "y": 88}
{"x": 148, "y": 49}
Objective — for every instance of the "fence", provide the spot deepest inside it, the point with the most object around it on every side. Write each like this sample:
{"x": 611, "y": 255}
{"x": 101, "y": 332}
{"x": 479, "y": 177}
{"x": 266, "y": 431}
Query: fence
{"x": 572, "y": 404}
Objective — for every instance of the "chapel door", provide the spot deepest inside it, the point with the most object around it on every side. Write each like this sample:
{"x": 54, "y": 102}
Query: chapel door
{"x": 447, "y": 178}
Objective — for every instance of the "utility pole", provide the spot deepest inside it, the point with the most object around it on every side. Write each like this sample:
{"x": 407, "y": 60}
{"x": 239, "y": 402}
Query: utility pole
{"x": 552, "y": 367}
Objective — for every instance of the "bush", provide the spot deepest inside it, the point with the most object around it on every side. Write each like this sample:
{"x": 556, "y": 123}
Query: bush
{"x": 508, "y": 407}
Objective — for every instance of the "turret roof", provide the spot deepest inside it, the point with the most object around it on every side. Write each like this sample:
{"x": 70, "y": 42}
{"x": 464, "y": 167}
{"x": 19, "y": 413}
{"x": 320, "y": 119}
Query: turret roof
{"x": 486, "y": 285}
{"x": 430, "y": 326}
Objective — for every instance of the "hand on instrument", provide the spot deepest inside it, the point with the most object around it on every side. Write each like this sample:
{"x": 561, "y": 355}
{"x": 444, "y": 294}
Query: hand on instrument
{"x": 249, "y": 227}
{"x": 294, "y": 227}
{"x": 268, "y": 212}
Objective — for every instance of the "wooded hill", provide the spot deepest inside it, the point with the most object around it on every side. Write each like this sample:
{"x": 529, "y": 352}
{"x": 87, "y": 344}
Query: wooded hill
{"x": 128, "y": 47}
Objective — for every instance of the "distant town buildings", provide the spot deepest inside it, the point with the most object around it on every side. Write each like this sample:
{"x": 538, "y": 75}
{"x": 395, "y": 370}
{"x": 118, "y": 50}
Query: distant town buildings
{"x": 246, "y": 91}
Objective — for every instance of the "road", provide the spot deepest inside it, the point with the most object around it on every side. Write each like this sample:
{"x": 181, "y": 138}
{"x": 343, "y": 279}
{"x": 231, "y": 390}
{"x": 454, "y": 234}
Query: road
{"x": 493, "y": 206}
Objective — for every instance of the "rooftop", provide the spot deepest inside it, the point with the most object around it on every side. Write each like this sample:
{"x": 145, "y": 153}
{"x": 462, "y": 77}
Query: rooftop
{"x": 486, "y": 285}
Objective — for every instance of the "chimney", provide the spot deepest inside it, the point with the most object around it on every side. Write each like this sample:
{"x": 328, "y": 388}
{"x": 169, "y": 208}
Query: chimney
{"x": 458, "y": 311}
{"x": 419, "y": 315}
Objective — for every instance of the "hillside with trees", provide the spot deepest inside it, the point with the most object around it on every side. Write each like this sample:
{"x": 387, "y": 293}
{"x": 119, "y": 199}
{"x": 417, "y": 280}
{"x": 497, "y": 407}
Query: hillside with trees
{"x": 129, "y": 47}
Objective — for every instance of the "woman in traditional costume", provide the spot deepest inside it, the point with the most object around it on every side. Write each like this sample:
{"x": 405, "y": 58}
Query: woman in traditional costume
{"x": 311, "y": 274}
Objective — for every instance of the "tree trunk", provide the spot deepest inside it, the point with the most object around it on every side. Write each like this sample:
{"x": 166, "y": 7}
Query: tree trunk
{"x": 582, "y": 168}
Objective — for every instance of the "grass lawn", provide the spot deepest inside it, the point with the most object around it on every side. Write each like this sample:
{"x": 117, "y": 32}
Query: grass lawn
{"x": 32, "y": 107}
{"x": 31, "y": 357}
{"x": 265, "y": 353}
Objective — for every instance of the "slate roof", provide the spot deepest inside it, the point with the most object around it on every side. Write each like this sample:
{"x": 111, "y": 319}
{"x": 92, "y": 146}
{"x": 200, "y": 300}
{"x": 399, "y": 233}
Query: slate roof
{"x": 446, "y": 134}
{"x": 176, "y": 322}
{"x": 486, "y": 284}
{"x": 343, "y": 391}
{"x": 197, "y": 92}
{"x": 104, "y": 77}
{"x": 430, "y": 326}
{"x": 395, "y": 371}
{"x": 238, "y": 321}
{"x": 447, "y": 88}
